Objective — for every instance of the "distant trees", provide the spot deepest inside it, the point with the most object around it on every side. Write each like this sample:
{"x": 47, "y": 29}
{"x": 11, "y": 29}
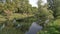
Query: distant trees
{"x": 15, "y": 9}
{"x": 55, "y": 7}
{"x": 44, "y": 12}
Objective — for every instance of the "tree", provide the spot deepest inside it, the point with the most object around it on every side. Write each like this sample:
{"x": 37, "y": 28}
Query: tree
{"x": 44, "y": 13}
{"x": 55, "y": 6}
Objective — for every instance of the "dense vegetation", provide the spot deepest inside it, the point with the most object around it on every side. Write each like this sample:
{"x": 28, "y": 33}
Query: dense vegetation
{"x": 16, "y": 16}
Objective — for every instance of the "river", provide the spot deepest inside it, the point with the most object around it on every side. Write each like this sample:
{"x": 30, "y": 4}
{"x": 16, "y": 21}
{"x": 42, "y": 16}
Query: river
{"x": 34, "y": 28}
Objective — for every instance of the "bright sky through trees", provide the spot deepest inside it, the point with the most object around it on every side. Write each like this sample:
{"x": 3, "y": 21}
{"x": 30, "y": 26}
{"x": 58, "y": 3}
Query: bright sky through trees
{"x": 34, "y": 2}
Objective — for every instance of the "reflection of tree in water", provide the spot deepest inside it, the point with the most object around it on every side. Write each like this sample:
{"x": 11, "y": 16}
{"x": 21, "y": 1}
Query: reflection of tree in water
{"x": 2, "y": 26}
{"x": 15, "y": 24}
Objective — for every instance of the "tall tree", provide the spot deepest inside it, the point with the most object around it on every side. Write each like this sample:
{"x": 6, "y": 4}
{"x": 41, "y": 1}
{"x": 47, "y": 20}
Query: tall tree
{"x": 44, "y": 13}
{"x": 55, "y": 6}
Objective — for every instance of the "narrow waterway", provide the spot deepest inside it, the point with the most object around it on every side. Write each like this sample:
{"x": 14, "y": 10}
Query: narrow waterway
{"x": 34, "y": 28}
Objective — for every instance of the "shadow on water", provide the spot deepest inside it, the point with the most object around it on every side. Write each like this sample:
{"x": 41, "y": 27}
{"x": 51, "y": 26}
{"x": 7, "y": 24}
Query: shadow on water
{"x": 34, "y": 28}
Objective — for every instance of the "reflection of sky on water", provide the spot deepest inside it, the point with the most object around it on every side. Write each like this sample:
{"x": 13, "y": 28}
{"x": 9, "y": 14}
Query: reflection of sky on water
{"x": 34, "y": 28}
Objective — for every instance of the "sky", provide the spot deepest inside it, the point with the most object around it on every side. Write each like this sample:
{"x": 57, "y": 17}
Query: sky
{"x": 34, "y": 2}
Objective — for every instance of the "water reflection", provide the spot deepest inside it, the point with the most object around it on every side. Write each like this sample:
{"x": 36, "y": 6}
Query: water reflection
{"x": 34, "y": 28}
{"x": 14, "y": 21}
{"x": 47, "y": 21}
{"x": 2, "y": 26}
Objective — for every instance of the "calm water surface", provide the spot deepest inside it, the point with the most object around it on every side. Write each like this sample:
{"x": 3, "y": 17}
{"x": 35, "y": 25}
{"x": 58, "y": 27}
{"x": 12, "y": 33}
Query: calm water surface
{"x": 34, "y": 28}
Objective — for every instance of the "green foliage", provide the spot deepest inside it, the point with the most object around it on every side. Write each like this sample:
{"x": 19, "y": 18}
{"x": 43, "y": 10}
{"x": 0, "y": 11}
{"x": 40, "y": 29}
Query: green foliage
{"x": 25, "y": 14}
{"x": 51, "y": 28}
{"x": 55, "y": 7}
